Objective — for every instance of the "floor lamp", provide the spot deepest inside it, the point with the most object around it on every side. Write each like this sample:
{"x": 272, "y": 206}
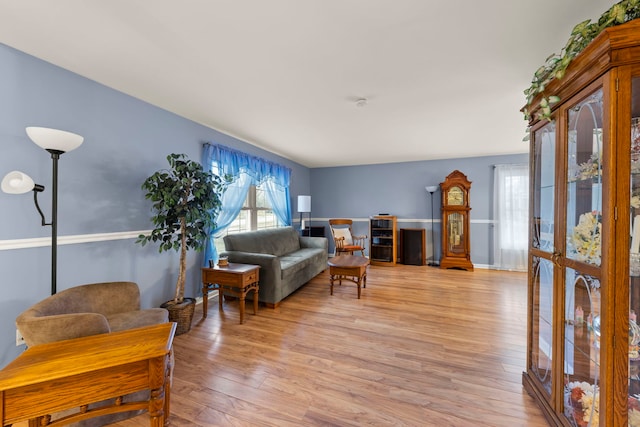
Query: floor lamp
{"x": 304, "y": 206}
{"x": 432, "y": 189}
{"x": 56, "y": 142}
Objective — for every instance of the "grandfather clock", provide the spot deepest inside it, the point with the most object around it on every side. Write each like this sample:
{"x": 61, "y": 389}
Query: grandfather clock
{"x": 456, "y": 249}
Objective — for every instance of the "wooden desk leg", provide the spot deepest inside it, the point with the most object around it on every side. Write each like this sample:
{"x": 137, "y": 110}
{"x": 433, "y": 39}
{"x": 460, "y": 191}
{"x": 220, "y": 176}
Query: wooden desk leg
{"x": 243, "y": 294}
{"x": 167, "y": 389}
{"x": 205, "y": 299}
{"x": 331, "y": 281}
{"x": 255, "y": 300}
{"x": 156, "y": 407}
{"x": 220, "y": 297}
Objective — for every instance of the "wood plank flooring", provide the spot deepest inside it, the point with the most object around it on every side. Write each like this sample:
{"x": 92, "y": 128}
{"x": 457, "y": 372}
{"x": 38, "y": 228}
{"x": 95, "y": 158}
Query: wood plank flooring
{"x": 422, "y": 347}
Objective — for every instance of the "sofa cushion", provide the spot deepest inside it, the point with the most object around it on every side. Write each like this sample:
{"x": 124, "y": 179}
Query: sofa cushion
{"x": 299, "y": 260}
{"x": 275, "y": 241}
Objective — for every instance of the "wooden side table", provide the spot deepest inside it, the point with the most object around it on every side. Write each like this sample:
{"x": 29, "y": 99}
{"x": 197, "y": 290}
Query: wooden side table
{"x": 237, "y": 279}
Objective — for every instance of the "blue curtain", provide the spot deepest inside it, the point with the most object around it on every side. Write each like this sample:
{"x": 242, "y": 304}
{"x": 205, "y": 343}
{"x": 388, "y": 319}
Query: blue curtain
{"x": 278, "y": 197}
{"x": 245, "y": 170}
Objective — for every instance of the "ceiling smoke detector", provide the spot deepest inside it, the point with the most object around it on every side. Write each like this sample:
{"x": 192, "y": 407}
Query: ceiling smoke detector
{"x": 361, "y": 102}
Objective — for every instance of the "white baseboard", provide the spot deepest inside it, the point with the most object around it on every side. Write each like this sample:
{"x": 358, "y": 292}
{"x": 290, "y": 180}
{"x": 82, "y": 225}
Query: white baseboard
{"x": 210, "y": 295}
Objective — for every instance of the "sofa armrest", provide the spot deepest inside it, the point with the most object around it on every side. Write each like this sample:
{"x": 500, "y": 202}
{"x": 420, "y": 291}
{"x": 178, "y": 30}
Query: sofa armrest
{"x": 268, "y": 262}
{"x": 314, "y": 242}
{"x": 42, "y": 330}
{"x": 270, "y": 272}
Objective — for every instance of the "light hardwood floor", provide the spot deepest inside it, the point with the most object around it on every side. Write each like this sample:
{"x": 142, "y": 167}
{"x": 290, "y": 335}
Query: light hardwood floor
{"x": 422, "y": 347}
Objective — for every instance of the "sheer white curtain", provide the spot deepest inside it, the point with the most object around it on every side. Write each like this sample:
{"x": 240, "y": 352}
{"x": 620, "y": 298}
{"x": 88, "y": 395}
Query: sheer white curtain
{"x": 511, "y": 214}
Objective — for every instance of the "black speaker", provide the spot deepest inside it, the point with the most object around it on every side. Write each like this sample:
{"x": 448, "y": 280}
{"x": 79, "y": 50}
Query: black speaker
{"x": 412, "y": 246}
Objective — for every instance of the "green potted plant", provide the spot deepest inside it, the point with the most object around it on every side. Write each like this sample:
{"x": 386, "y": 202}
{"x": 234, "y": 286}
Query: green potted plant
{"x": 186, "y": 200}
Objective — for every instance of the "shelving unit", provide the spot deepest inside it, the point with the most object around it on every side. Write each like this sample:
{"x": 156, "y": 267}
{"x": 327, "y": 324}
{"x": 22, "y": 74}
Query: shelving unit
{"x": 383, "y": 247}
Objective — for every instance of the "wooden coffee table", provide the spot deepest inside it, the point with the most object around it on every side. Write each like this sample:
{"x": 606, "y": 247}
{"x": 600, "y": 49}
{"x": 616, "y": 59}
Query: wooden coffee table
{"x": 237, "y": 279}
{"x": 349, "y": 267}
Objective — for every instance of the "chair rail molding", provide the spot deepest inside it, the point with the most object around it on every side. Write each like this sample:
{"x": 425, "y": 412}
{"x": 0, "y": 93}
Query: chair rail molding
{"x": 37, "y": 242}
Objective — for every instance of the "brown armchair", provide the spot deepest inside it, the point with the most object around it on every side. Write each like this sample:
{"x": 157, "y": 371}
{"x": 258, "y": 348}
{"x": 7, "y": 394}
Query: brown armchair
{"x": 85, "y": 310}
{"x": 343, "y": 238}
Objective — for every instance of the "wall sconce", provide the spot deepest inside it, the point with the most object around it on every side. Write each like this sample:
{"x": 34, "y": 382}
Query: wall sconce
{"x": 304, "y": 206}
{"x": 432, "y": 189}
{"x": 56, "y": 142}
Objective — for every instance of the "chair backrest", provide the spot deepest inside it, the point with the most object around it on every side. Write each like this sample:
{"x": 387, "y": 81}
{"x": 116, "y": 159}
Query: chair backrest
{"x": 341, "y": 228}
{"x": 77, "y": 312}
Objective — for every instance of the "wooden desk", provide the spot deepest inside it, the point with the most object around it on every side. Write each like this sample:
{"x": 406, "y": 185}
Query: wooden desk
{"x": 68, "y": 374}
{"x": 348, "y": 267}
{"x": 237, "y": 279}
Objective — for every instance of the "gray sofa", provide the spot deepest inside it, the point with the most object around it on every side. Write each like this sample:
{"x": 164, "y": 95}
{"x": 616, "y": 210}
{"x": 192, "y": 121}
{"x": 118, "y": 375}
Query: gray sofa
{"x": 287, "y": 260}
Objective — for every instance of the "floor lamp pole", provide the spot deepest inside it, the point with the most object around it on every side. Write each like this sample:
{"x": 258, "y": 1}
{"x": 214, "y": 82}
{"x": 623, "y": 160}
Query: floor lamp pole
{"x": 55, "y": 155}
{"x": 433, "y": 263}
{"x": 433, "y": 245}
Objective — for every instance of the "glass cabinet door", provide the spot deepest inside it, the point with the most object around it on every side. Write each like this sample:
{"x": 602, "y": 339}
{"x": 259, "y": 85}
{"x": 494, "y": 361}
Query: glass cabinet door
{"x": 455, "y": 225}
{"x": 583, "y": 257}
{"x": 542, "y": 242}
{"x": 634, "y": 260}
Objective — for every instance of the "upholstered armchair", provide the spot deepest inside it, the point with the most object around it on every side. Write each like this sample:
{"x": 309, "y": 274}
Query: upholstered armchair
{"x": 86, "y": 310}
{"x": 92, "y": 309}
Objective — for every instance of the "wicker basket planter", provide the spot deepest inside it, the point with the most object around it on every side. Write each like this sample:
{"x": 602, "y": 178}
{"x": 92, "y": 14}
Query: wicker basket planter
{"x": 181, "y": 313}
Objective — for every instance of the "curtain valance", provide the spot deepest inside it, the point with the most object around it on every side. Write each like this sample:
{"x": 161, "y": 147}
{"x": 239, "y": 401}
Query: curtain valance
{"x": 233, "y": 162}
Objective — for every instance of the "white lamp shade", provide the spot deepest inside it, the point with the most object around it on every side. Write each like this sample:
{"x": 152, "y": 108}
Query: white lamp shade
{"x": 54, "y": 139}
{"x": 431, "y": 188}
{"x": 16, "y": 182}
{"x": 304, "y": 203}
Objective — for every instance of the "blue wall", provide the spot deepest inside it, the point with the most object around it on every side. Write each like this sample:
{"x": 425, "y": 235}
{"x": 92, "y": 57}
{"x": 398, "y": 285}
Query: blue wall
{"x": 359, "y": 192}
{"x": 126, "y": 140}
{"x": 101, "y": 205}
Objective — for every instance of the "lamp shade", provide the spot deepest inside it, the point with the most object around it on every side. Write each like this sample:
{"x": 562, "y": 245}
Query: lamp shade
{"x": 304, "y": 203}
{"x": 431, "y": 188}
{"x": 54, "y": 139}
{"x": 16, "y": 182}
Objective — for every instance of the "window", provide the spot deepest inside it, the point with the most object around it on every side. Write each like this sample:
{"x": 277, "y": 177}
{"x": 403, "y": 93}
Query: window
{"x": 257, "y": 196}
{"x": 511, "y": 213}
{"x": 255, "y": 214}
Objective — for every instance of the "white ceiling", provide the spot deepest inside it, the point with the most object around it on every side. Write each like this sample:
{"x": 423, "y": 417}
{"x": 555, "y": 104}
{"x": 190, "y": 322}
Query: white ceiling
{"x": 443, "y": 78}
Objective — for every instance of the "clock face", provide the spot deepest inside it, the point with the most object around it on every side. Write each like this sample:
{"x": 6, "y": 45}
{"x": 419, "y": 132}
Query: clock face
{"x": 455, "y": 196}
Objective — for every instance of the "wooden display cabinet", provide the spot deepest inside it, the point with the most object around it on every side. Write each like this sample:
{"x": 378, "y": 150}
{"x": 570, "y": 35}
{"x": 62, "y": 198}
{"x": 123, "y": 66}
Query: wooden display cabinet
{"x": 583, "y": 363}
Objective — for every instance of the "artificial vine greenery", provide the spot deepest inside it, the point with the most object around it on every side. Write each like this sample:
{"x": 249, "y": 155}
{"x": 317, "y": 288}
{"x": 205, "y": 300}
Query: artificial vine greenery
{"x": 582, "y": 34}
